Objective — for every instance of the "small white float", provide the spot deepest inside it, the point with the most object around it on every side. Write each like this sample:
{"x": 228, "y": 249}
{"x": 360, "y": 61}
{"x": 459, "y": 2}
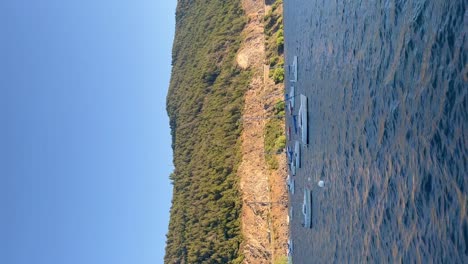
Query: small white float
{"x": 321, "y": 183}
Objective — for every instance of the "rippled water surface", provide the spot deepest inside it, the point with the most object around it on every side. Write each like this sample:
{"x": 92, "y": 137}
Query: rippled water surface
{"x": 387, "y": 84}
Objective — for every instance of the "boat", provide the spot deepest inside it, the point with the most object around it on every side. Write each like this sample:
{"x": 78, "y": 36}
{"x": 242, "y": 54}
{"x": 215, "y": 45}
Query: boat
{"x": 290, "y": 247}
{"x": 291, "y": 98}
{"x": 307, "y": 208}
{"x": 292, "y": 167}
{"x": 291, "y": 184}
{"x": 293, "y": 70}
{"x": 295, "y": 123}
{"x": 289, "y": 251}
{"x": 297, "y": 155}
{"x": 289, "y": 154}
{"x": 303, "y": 119}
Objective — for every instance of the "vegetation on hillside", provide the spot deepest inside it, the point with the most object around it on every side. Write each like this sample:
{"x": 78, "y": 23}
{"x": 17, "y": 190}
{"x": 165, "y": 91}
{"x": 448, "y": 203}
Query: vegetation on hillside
{"x": 274, "y": 134}
{"x": 274, "y": 41}
{"x": 282, "y": 260}
{"x": 275, "y": 139}
{"x": 204, "y": 103}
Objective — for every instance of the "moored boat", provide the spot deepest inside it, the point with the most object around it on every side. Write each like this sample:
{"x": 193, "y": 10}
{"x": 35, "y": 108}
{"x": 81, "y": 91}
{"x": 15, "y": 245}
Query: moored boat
{"x": 307, "y": 208}
{"x": 303, "y": 119}
{"x": 293, "y": 70}
{"x": 297, "y": 155}
{"x": 290, "y": 184}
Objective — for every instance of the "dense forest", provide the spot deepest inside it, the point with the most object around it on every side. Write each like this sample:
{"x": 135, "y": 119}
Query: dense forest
{"x": 204, "y": 103}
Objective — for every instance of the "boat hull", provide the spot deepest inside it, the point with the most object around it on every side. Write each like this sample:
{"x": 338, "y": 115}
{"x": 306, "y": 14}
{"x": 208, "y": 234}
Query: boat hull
{"x": 307, "y": 208}
{"x": 303, "y": 119}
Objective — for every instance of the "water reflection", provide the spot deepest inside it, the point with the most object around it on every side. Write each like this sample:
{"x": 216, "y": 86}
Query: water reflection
{"x": 387, "y": 84}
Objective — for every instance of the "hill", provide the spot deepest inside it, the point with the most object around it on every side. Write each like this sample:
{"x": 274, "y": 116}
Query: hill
{"x": 204, "y": 103}
{"x": 225, "y": 152}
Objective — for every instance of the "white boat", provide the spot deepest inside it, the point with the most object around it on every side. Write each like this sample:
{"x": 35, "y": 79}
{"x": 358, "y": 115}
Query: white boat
{"x": 292, "y": 167}
{"x": 307, "y": 208}
{"x": 297, "y": 155}
{"x": 290, "y": 247}
{"x": 303, "y": 119}
{"x": 293, "y": 70}
{"x": 289, "y": 251}
{"x": 291, "y": 97}
{"x": 289, "y": 154}
{"x": 291, "y": 184}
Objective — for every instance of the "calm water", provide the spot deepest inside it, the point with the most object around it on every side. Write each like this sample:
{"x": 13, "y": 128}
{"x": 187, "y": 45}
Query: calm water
{"x": 387, "y": 83}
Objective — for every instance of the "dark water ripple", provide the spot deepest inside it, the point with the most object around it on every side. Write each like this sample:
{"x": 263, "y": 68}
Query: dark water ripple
{"x": 387, "y": 83}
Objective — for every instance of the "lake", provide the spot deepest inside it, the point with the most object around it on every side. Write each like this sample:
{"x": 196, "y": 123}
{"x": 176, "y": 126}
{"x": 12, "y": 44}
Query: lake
{"x": 387, "y": 85}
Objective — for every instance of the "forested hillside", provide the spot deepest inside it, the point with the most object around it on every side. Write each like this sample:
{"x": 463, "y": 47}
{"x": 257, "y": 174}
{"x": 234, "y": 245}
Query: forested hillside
{"x": 204, "y": 103}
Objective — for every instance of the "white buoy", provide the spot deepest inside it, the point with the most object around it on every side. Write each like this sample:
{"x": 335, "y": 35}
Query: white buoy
{"x": 321, "y": 184}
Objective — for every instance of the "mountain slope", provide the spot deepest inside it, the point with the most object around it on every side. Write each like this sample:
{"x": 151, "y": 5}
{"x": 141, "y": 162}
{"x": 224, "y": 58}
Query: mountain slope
{"x": 204, "y": 103}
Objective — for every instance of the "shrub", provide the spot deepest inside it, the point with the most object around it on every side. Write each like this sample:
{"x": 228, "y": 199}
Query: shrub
{"x": 279, "y": 108}
{"x": 280, "y": 43}
{"x": 282, "y": 260}
{"x": 280, "y": 143}
{"x": 275, "y": 141}
{"x": 280, "y": 62}
{"x": 273, "y": 61}
{"x": 278, "y": 75}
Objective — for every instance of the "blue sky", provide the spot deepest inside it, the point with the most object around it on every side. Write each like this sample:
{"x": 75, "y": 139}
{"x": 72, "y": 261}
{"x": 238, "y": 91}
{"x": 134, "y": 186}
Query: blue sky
{"x": 84, "y": 139}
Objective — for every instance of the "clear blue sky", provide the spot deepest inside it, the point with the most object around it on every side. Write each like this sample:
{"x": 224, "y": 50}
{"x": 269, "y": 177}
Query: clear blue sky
{"x": 84, "y": 137}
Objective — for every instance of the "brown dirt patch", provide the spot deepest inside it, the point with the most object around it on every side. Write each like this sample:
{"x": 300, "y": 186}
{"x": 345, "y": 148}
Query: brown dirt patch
{"x": 264, "y": 224}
